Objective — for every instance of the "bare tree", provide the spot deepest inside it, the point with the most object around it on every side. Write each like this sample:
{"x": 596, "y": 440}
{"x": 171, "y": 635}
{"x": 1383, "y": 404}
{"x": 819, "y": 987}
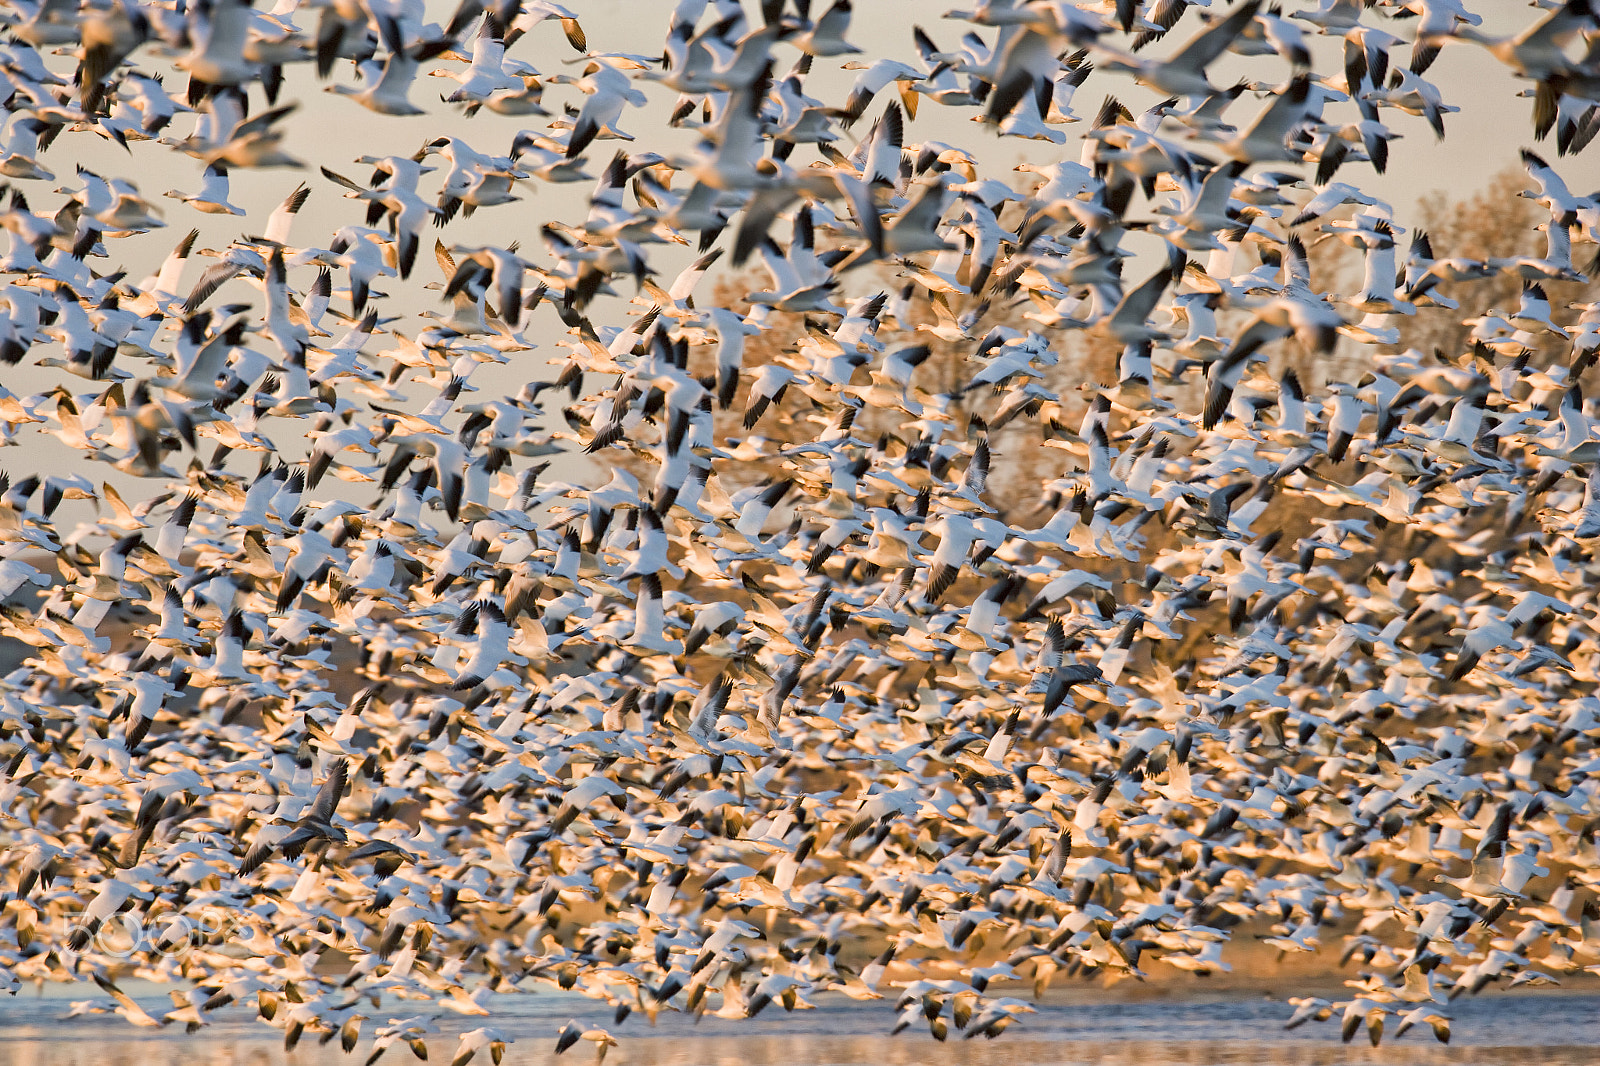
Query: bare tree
{"x": 1496, "y": 223}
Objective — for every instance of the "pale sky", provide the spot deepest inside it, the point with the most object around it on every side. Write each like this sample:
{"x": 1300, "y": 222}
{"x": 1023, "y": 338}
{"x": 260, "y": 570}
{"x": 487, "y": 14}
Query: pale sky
{"x": 332, "y": 130}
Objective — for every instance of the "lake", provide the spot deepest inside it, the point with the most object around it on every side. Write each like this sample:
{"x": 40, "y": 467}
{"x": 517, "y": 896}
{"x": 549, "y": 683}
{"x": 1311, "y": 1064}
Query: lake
{"x": 1552, "y": 1029}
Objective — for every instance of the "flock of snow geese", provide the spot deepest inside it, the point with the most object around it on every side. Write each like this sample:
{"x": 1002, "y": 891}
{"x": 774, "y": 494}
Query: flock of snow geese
{"x": 814, "y": 688}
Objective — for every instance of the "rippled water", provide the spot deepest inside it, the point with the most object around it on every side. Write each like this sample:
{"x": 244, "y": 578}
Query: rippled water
{"x": 1511, "y": 1029}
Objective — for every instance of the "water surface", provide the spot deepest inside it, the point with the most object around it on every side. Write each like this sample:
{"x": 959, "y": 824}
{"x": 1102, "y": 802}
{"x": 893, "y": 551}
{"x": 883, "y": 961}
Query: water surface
{"x": 1555, "y": 1029}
